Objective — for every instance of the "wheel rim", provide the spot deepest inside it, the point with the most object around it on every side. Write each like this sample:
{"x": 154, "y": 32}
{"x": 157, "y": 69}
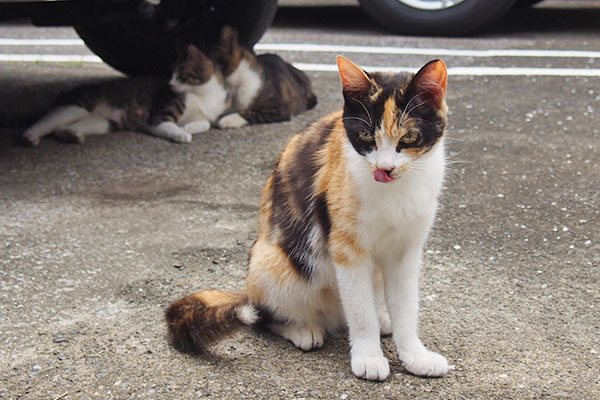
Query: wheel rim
{"x": 430, "y": 4}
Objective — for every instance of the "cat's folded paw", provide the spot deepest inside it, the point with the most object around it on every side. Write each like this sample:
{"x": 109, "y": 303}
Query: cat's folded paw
{"x": 234, "y": 120}
{"x": 197, "y": 127}
{"x": 372, "y": 368}
{"x": 426, "y": 363}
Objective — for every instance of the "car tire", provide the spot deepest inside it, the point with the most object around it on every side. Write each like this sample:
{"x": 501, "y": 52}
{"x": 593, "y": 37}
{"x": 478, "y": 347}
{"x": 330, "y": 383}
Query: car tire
{"x": 527, "y": 3}
{"x": 464, "y": 18}
{"x": 137, "y": 45}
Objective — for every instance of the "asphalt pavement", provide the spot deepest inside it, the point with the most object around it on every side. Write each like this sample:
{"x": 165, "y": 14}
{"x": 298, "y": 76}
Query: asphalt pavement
{"x": 97, "y": 239}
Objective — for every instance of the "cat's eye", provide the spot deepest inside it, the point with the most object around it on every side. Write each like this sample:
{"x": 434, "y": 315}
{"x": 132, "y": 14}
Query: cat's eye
{"x": 366, "y": 137}
{"x": 410, "y": 137}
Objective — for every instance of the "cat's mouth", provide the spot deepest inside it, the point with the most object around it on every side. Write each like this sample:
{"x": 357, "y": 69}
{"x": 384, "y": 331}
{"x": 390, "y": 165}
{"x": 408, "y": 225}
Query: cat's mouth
{"x": 383, "y": 175}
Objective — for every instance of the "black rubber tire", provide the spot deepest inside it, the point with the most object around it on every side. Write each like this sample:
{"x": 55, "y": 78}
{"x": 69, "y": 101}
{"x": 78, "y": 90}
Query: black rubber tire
{"x": 527, "y": 3}
{"x": 135, "y": 47}
{"x": 465, "y": 18}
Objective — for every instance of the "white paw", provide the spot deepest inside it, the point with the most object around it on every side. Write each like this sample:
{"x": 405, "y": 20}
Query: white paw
{"x": 70, "y": 136}
{"x": 31, "y": 139}
{"x": 385, "y": 323}
{"x": 304, "y": 337}
{"x": 197, "y": 127}
{"x": 181, "y": 137}
{"x": 426, "y": 363}
{"x": 234, "y": 120}
{"x": 372, "y": 368}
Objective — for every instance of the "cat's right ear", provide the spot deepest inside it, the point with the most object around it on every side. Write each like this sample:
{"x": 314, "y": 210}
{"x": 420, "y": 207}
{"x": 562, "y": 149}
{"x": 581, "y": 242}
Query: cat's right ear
{"x": 228, "y": 41}
{"x": 355, "y": 81}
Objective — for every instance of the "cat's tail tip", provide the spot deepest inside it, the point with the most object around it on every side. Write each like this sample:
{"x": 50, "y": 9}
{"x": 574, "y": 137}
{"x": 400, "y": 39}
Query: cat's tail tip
{"x": 206, "y": 317}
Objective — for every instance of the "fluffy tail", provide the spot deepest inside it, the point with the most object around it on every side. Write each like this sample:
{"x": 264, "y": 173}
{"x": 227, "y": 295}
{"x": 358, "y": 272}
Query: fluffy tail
{"x": 206, "y": 317}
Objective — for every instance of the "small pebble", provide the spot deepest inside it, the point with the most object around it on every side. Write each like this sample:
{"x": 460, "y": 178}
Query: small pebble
{"x": 60, "y": 339}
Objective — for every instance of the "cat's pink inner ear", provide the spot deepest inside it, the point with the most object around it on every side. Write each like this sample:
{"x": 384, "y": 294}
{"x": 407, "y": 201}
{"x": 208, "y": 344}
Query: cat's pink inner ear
{"x": 431, "y": 81}
{"x": 354, "y": 79}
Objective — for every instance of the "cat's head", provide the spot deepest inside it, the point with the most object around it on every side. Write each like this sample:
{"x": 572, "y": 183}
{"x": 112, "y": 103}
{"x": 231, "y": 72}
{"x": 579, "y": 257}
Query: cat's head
{"x": 229, "y": 53}
{"x": 393, "y": 120}
{"x": 193, "y": 69}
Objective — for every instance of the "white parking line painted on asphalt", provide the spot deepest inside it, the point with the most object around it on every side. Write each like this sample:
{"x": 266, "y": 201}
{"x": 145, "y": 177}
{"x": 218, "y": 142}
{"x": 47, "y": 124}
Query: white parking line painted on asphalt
{"x": 41, "y": 42}
{"x": 468, "y": 71}
{"x": 457, "y": 71}
{"x": 51, "y": 58}
{"x": 328, "y": 48}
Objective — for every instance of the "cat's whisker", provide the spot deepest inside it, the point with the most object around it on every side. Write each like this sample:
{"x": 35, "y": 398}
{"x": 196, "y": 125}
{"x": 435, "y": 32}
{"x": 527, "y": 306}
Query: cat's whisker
{"x": 358, "y": 118}
{"x": 407, "y": 113}
{"x": 367, "y": 111}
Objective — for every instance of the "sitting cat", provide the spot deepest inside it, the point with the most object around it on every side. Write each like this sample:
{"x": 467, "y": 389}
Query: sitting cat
{"x": 264, "y": 88}
{"x": 343, "y": 220}
{"x": 194, "y": 97}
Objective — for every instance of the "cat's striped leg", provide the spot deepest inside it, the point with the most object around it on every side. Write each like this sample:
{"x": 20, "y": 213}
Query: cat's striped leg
{"x": 355, "y": 283}
{"x": 77, "y": 131}
{"x": 54, "y": 120}
{"x": 402, "y": 294}
{"x": 171, "y": 131}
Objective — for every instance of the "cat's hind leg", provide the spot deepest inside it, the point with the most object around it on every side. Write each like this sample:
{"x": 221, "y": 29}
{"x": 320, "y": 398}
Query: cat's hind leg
{"x": 305, "y": 337}
{"x": 77, "y": 131}
{"x": 234, "y": 120}
{"x": 54, "y": 120}
{"x": 383, "y": 315}
{"x": 195, "y": 127}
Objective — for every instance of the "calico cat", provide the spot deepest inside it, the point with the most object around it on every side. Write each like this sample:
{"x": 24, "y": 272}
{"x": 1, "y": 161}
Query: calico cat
{"x": 343, "y": 220}
{"x": 264, "y": 88}
{"x": 187, "y": 104}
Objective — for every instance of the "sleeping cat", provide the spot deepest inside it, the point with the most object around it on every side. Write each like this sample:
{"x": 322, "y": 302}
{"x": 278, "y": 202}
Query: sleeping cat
{"x": 194, "y": 97}
{"x": 343, "y": 220}
{"x": 264, "y": 88}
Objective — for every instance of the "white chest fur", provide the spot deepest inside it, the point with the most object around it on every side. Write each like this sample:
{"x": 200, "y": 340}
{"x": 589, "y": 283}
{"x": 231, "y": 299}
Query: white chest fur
{"x": 244, "y": 83}
{"x": 392, "y": 213}
{"x": 205, "y": 102}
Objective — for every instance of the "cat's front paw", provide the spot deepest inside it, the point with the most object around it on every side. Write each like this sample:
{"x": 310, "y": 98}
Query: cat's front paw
{"x": 234, "y": 120}
{"x": 69, "y": 136}
{"x": 197, "y": 127}
{"x": 426, "y": 363}
{"x": 372, "y": 368}
{"x": 30, "y": 139}
{"x": 180, "y": 137}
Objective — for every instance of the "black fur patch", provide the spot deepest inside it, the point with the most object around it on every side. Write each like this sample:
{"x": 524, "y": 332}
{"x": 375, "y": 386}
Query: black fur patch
{"x": 296, "y": 209}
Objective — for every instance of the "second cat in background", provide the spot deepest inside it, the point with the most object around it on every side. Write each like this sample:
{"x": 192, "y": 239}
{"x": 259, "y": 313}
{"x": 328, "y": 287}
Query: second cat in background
{"x": 229, "y": 88}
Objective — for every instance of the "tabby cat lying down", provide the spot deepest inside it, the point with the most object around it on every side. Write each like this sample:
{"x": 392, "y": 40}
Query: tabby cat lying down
{"x": 260, "y": 88}
{"x": 343, "y": 220}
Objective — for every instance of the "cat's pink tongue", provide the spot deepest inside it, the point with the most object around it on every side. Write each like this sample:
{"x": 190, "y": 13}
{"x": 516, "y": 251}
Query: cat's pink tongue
{"x": 381, "y": 175}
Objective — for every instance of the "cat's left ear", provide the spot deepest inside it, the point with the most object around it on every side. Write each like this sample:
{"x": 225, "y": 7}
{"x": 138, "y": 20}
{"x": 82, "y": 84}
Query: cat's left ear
{"x": 429, "y": 84}
{"x": 197, "y": 55}
{"x": 355, "y": 80}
